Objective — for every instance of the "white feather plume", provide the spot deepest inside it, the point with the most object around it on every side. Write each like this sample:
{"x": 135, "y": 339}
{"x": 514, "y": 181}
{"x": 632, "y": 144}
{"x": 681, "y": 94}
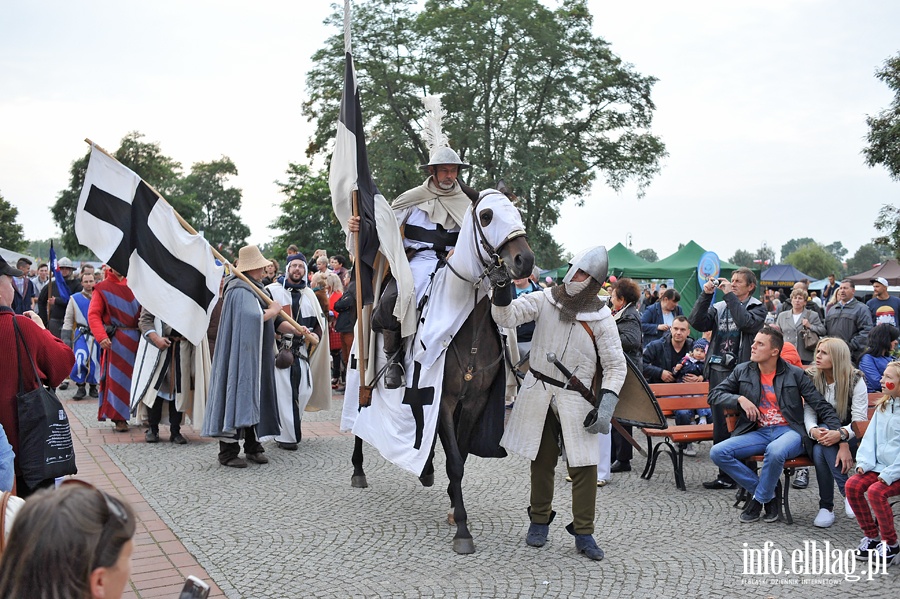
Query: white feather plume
{"x": 432, "y": 132}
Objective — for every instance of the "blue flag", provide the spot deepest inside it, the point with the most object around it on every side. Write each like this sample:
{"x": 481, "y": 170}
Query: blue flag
{"x": 62, "y": 288}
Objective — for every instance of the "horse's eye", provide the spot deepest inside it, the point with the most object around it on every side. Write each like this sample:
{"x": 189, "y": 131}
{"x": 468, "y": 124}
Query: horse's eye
{"x": 486, "y": 216}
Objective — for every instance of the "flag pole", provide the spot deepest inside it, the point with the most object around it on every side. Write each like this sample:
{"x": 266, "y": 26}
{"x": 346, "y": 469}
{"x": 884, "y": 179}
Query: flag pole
{"x": 365, "y": 391}
{"x": 187, "y": 227}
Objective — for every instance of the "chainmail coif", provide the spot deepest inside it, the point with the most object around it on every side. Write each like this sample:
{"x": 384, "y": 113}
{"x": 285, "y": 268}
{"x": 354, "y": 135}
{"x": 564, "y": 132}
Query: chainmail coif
{"x": 585, "y": 300}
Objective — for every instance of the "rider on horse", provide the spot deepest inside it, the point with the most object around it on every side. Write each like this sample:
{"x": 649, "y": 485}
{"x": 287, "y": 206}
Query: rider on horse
{"x": 429, "y": 217}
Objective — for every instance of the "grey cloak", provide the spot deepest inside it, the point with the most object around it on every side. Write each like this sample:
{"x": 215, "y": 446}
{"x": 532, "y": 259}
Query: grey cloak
{"x": 242, "y": 385}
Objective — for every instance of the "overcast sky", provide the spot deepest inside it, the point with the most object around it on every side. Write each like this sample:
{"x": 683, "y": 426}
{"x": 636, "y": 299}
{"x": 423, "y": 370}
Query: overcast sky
{"x": 761, "y": 104}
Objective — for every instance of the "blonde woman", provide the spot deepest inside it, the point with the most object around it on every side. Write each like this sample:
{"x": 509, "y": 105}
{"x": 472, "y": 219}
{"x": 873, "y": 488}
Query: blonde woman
{"x": 843, "y": 387}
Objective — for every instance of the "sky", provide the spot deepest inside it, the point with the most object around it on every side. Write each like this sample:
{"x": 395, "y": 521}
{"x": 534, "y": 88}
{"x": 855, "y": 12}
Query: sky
{"x": 761, "y": 104}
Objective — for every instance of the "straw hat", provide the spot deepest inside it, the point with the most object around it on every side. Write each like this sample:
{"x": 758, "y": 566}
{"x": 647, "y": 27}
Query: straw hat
{"x": 250, "y": 258}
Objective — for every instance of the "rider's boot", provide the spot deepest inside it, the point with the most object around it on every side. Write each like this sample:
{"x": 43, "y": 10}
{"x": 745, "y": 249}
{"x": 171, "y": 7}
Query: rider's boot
{"x": 393, "y": 350}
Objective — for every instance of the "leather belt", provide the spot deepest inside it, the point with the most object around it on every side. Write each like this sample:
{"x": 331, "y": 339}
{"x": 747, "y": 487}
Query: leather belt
{"x": 546, "y": 379}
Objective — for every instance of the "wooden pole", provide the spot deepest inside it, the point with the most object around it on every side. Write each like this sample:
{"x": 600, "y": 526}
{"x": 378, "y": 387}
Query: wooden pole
{"x": 365, "y": 391}
{"x": 187, "y": 227}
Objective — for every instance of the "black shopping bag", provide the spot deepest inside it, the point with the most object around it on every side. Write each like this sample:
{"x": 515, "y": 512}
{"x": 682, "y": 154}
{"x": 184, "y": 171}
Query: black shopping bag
{"x": 45, "y": 439}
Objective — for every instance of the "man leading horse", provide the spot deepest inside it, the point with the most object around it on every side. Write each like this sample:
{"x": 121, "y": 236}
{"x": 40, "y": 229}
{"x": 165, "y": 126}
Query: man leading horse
{"x": 574, "y": 331}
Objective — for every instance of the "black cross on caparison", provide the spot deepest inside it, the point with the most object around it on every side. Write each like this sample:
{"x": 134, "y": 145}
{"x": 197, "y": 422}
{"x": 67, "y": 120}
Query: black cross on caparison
{"x": 134, "y": 221}
{"x": 417, "y": 399}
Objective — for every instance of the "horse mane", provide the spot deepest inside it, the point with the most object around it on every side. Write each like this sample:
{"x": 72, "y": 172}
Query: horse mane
{"x": 471, "y": 193}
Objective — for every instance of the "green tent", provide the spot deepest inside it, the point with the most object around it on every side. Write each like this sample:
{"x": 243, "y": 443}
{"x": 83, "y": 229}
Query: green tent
{"x": 682, "y": 268}
{"x": 621, "y": 259}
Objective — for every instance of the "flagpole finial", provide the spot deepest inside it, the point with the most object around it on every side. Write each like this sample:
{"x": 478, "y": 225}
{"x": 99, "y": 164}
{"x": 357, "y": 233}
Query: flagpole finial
{"x": 347, "y": 45}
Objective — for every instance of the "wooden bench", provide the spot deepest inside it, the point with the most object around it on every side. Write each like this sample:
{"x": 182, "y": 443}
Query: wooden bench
{"x": 791, "y": 465}
{"x": 671, "y": 397}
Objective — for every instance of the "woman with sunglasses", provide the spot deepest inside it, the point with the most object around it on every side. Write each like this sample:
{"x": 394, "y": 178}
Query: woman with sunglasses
{"x": 75, "y": 541}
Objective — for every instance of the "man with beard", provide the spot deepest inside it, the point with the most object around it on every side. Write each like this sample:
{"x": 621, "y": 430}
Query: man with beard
{"x": 574, "y": 324}
{"x": 430, "y": 216}
{"x": 77, "y": 334}
{"x": 294, "y": 385}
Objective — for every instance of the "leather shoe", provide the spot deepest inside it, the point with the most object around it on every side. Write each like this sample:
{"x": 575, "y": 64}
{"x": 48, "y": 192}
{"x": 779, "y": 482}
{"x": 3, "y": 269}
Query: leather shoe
{"x": 151, "y": 437}
{"x": 257, "y": 458}
{"x": 719, "y": 484}
{"x": 63, "y": 385}
{"x": 81, "y": 393}
{"x": 287, "y": 446}
{"x": 121, "y": 426}
{"x": 178, "y": 439}
{"x": 93, "y": 391}
{"x": 618, "y": 466}
{"x": 235, "y": 463}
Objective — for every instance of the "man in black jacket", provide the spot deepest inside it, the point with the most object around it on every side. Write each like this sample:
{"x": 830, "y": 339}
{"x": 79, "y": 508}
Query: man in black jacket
{"x": 768, "y": 395}
{"x": 733, "y": 321}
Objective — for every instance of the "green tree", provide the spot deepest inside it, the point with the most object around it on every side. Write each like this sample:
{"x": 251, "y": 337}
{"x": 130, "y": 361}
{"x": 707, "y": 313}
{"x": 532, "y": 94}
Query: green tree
{"x": 884, "y": 128}
{"x": 793, "y": 245}
{"x": 743, "y": 258}
{"x": 12, "y": 236}
{"x": 837, "y": 250}
{"x": 648, "y": 254}
{"x": 531, "y": 95}
{"x": 814, "y": 260}
{"x": 144, "y": 158}
{"x": 307, "y": 219}
{"x": 218, "y": 205}
{"x": 865, "y": 258}
{"x": 888, "y": 223}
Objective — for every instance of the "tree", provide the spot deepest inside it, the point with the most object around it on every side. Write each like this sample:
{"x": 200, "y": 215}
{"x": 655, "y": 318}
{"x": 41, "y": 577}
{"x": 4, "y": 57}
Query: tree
{"x": 531, "y": 95}
{"x": 648, "y": 254}
{"x": 888, "y": 222}
{"x": 218, "y": 206}
{"x": 814, "y": 260}
{"x": 884, "y": 128}
{"x": 307, "y": 219}
{"x": 743, "y": 258}
{"x": 763, "y": 254}
{"x": 144, "y": 158}
{"x": 12, "y": 236}
{"x": 793, "y": 245}
{"x": 837, "y": 250}
{"x": 867, "y": 256}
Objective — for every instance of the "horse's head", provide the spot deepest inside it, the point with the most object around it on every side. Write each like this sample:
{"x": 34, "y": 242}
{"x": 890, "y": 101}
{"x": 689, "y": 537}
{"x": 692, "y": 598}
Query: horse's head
{"x": 500, "y": 233}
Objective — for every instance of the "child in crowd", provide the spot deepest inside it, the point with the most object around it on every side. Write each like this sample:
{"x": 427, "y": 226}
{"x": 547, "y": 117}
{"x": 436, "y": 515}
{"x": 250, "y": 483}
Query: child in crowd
{"x": 878, "y": 474}
{"x": 693, "y": 362}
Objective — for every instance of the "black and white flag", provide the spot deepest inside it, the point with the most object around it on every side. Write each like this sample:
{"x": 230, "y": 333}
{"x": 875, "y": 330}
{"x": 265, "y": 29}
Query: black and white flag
{"x": 172, "y": 273}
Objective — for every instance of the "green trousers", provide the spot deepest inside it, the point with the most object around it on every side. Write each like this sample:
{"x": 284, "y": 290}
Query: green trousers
{"x": 543, "y": 469}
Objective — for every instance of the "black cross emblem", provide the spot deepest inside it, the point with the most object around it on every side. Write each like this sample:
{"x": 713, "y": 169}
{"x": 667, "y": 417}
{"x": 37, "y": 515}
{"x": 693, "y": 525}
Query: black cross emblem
{"x": 137, "y": 236}
{"x": 416, "y": 399}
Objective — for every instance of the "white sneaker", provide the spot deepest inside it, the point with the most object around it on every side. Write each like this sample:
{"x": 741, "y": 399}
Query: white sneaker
{"x": 690, "y": 450}
{"x": 848, "y": 510}
{"x": 824, "y": 519}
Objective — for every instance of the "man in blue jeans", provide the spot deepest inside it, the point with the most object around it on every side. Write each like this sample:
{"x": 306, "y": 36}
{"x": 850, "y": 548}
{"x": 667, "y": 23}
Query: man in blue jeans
{"x": 768, "y": 394}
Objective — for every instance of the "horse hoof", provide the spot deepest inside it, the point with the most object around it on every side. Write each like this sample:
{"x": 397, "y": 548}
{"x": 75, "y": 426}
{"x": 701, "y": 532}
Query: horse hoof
{"x": 427, "y": 480}
{"x": 359, "y": 481}
{"x": 464, "y": 546}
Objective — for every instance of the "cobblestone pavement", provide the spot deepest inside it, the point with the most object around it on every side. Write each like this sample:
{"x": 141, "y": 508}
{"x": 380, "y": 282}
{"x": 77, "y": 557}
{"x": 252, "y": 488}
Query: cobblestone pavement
{"x": 295, "y": 527}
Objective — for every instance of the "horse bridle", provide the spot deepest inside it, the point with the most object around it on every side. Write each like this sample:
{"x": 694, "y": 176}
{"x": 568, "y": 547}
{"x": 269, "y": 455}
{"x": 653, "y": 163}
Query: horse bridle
{"x": 493, "y": 269}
